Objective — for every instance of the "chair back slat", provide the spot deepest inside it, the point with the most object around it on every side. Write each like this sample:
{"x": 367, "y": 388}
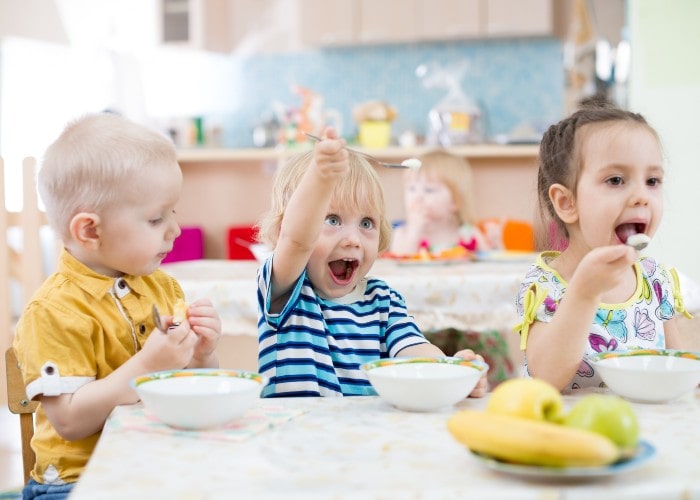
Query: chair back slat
{"x": 18, "y": 403}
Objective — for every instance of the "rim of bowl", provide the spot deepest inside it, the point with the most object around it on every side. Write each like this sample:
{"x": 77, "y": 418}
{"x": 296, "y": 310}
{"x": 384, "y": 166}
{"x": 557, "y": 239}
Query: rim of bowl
{"x": 672, "y": 353}
{"x": 199, "y": 372}
{"x": 446, "y": 360}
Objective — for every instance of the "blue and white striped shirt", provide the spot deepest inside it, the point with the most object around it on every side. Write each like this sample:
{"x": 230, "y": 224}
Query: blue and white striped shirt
{"x": 315, "y": 347}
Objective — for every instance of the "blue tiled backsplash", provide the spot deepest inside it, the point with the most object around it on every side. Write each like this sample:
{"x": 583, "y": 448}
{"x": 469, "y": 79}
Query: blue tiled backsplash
{"x": 515, "y": 82}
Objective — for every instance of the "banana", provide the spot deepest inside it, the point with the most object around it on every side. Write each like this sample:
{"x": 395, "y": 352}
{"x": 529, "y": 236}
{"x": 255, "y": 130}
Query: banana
{"x": 532, "y": 442}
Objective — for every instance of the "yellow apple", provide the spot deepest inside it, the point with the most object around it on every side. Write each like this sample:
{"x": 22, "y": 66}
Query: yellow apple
{"x": 527, "y": 398}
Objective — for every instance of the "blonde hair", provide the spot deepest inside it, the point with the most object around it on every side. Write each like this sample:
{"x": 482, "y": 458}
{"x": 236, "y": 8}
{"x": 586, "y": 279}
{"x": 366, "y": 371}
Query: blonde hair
{"x": 456, "y": 173}
{"x": 360, "y": 188}
{"x": 93, "y": 157}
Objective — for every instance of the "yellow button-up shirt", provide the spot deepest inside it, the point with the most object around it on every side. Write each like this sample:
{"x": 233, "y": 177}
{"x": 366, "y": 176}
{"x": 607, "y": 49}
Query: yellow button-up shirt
{"x": 80, "y": 326}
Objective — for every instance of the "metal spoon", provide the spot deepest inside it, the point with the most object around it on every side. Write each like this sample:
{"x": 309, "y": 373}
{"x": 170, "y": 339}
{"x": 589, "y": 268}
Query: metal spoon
{"x": 638, "y": 241}
{"x": 369, "y": 157}
{"x": 157, "y": 320}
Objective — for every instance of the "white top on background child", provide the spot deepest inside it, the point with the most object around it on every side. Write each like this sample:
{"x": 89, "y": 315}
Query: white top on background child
{"x": 600, "y": 180}
{"x": 110, "y": 187}
{"x": 439, "y": 209}
{"x": 321, "y": 317}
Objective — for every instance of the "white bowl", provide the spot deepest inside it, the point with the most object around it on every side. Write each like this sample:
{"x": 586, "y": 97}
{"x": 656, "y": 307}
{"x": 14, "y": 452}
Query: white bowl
{"x": 649, "y": 375}
{"x": 198, "y": 398}
{"x": 424, "y": 384}
{"x": 260, "y": 251}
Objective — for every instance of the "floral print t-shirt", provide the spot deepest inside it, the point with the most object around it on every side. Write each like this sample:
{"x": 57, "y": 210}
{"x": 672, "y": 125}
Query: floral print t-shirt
{"x": 636, "y": 323}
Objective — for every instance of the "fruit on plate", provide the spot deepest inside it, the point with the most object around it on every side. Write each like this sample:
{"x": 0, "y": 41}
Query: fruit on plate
{"x": 608, "y": 415}
{"x": 529, "y": 398}
{"x": 532, "y": 442}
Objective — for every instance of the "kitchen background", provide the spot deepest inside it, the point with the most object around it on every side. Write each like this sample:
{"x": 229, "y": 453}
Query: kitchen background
{"x": 61, "y": 58}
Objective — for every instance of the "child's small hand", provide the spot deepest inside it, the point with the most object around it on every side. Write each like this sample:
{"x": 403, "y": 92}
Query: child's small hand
{"x": 206, "y": 325}
{"x": 482, "y": 385}
{"x": 330, "y": 156}
{"x": 602, "y": 269}
{"x": 170, "y": 350}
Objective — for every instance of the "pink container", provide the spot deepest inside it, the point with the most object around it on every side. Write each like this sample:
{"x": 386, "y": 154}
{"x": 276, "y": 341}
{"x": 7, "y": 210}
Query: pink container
{"x": 188, "y": 246}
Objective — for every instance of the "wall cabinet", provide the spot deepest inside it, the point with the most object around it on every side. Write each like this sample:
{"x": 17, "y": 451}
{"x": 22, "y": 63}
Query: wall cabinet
{"x": 393, "y": 21}
{"x": 328, "y": 22}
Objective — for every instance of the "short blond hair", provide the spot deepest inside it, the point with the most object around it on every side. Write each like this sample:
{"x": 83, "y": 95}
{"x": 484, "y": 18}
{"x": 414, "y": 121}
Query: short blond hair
{"x": 93, "y": 157}
{"x": 360, "y": 188}
{"x": 456, "y": 173}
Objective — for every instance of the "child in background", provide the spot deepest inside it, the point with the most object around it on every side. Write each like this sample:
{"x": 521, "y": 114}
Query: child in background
{"x": 321, "y": 316}
{"x": 600, "y": 179}
{"x": 438, "y": 204}
{"x": 110, "y": 188}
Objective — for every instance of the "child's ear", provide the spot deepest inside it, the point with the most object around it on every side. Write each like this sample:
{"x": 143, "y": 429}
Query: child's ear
{"x": 564, "y": 203}
{"x": 84, "y": 229}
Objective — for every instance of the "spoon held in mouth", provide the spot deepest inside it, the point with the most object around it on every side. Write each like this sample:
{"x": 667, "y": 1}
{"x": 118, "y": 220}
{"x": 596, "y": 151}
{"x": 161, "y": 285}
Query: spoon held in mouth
{"x": 638, "y": 241}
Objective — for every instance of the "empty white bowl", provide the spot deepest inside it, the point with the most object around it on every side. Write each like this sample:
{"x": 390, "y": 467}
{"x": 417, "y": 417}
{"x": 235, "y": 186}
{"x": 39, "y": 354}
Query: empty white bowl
{"x": 424, "y": 384}
{"x": 649, "y": 375}
{"x": 198, "y": 398}
{"x": 260, "y": 251}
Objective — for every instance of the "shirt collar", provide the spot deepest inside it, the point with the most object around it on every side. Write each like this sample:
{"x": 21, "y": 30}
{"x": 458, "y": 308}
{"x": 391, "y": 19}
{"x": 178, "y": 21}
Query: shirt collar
{"x": 97, "y": 285}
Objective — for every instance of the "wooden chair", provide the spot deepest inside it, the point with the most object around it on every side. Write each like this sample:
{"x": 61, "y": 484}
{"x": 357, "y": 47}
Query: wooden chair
{"x": 19, "y": 404}
{"x": 21, "y": 271}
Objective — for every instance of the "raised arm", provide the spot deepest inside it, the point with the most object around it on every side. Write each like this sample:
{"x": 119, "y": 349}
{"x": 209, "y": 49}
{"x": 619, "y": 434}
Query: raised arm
{"x": 305, "y": 213}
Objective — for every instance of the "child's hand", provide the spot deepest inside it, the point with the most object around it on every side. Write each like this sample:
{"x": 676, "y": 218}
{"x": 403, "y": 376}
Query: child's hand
{"x": 170, "y": 350}
{"x": 601, "y": 270}
{"x": 330, "y": 156}
{"x": 206, "y": 325}
{"x": 482, "y": 385}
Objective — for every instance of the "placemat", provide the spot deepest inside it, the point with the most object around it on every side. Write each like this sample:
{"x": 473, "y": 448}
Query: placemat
{"x": 252, "y": 422}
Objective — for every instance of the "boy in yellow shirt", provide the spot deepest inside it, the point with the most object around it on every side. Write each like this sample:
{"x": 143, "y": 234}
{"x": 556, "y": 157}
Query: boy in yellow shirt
{"x": 110, "y": 187}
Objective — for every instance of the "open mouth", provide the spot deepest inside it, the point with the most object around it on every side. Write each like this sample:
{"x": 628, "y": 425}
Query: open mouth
{"x": 343, "y": 270}
{"x": 624, "y": 231}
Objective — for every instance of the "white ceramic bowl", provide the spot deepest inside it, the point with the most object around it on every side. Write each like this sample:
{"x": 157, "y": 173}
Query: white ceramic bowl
{"x": 424, "y": 384}
{"x": 198, "y": 398}
{"x": 260, "y": 251}
{"x": 649, "y": 375}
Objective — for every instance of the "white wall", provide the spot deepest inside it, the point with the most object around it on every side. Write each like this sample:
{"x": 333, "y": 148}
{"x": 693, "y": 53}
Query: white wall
{"x": 665, "y": 88}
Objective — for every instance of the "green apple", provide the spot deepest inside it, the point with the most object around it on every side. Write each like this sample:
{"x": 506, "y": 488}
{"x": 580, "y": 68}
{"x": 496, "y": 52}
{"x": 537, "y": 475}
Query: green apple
{"x": 529, "y": 398}
{"x": 608, "y": 415}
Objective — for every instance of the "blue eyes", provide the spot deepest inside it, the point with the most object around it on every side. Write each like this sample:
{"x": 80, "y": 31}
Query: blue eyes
{"x": 334, "y": 220}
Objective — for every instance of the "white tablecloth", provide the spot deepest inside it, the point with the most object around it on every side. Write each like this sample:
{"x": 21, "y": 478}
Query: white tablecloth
{"x": 472, "y": 295}
{"x": 360, "y": 447}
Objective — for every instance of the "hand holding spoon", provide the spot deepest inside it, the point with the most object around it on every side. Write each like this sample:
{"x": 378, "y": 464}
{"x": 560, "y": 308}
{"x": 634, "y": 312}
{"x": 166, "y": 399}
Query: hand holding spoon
{"x": 638, "y": 241}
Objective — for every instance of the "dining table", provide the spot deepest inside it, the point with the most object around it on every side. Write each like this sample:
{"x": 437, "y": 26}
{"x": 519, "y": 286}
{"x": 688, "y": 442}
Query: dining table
{"x": 362, "y": 447}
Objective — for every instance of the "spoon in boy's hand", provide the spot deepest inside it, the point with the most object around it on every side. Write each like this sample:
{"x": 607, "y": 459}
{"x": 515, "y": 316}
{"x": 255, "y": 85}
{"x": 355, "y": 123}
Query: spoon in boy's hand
{"x": 157, "y": 320}
{"x": 638, "y": 241}
{"x": 410, "y": 163}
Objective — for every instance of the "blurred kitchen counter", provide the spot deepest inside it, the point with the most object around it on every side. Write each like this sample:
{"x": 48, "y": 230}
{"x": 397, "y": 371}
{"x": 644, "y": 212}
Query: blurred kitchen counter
{"x": 196, "y": 155}
{"x": 231, "y": 187}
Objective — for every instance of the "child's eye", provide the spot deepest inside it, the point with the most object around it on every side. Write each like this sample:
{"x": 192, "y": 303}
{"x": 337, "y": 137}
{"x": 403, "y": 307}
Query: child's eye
{"x": 155, "y": 222}
{"x": 332, "y": 220}
{"x": 615, "y": 181}
{"x": 654, "y": 181}
{"x": 367, "y": 223}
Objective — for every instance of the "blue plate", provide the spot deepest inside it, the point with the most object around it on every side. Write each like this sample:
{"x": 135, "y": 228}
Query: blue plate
{"x": 645, "y": 452}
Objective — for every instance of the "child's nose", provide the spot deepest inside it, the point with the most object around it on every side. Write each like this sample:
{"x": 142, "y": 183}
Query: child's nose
{"x": 351, "y": 237}
{"x": 640, "y": 195}
{"x": 174, "y": 230}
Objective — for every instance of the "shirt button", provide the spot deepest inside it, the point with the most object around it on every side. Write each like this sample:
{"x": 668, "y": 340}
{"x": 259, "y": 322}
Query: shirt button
{"x": 142, "y": 328}
{"x": 121, "y": 284}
